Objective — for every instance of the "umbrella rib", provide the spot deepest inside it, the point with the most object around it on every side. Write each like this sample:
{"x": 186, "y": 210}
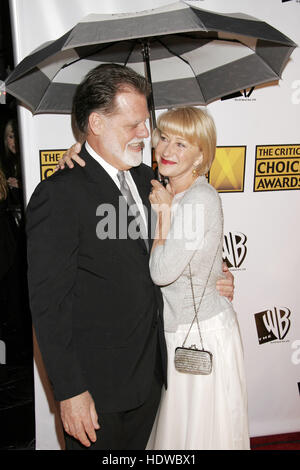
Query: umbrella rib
{"x": 171, "y": 52}
{"x": 130, "y": 52}
{"x": 212, "y": 38}
{"x": 92, "y": 53}
{"x": 191, "y": 36}
{"x": 184, "y": 60}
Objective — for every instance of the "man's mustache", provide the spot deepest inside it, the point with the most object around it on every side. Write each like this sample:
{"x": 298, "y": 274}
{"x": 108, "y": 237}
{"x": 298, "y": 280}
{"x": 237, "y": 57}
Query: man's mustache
{"x": 137, "y": 142}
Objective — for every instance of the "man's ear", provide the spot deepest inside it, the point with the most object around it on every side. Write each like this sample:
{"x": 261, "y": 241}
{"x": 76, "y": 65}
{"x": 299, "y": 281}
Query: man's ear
{"x": 95, "y": 123}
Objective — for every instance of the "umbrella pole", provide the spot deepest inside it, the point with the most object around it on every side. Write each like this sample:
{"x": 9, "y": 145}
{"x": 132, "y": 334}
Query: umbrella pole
{"x": 151, "y": 106}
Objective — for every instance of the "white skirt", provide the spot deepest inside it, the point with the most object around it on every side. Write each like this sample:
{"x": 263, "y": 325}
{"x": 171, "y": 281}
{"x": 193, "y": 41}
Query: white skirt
{"x": 205, "y": 412}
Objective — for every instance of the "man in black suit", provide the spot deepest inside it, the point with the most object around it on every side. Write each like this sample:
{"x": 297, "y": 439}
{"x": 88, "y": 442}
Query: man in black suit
{"x": 96, "y": 312}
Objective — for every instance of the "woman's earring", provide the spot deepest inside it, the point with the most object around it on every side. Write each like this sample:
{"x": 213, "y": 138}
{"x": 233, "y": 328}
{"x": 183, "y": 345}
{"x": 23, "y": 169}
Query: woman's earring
{"x": 195, "y": 172}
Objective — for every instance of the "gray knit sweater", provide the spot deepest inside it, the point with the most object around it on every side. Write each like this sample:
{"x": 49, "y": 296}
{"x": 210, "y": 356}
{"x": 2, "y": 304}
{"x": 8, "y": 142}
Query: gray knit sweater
{"x": 194, "y": 237}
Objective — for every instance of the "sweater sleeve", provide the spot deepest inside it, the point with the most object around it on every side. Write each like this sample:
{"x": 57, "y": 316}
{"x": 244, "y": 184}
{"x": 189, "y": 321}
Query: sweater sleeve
{"x": 190, "y": 224}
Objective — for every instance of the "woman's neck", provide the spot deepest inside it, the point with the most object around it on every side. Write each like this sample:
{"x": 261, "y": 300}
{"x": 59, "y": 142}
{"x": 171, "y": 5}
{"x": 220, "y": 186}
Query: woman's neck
{"x": 178, "y": 185}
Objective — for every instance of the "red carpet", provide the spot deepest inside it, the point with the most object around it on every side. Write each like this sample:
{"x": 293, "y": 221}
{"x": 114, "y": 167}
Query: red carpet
{"x": 289, "y": 441}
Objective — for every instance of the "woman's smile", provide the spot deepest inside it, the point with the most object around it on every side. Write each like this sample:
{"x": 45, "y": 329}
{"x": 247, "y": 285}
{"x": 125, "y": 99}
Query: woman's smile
{"x": 167, "y": 162}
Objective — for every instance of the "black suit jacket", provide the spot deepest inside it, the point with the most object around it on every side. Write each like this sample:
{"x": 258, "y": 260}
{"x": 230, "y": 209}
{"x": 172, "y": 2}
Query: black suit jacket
{"x": 96, "y": 312}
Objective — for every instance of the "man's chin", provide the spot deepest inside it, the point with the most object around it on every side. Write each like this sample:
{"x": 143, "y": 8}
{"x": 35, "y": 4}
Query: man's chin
{"x": 133, "y": 159}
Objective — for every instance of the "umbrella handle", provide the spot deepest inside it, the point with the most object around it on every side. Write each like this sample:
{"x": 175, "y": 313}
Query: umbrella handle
{"x": 164, "y": 180}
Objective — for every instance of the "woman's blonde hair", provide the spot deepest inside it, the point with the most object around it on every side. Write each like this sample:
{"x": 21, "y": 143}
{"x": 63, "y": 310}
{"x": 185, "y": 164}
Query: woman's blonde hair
{"x": 194, "y": 125}
{"x": 3, "y": 186}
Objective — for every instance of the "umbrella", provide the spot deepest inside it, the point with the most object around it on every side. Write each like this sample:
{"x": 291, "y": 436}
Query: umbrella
{"x": 190, "y": 56}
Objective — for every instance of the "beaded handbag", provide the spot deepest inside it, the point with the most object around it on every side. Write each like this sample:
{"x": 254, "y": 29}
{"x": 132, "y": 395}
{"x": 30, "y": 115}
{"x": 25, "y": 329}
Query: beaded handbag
{"x": 192, "y": 360}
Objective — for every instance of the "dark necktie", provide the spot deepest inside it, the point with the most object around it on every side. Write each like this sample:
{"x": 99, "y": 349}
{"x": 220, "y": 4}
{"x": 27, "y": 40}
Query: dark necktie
{"x": 125, "y": 190}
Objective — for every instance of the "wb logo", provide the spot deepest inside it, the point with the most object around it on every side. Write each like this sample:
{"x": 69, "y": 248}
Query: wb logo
{"x": 234, "y": 249}
{"x": 272, "y": 324}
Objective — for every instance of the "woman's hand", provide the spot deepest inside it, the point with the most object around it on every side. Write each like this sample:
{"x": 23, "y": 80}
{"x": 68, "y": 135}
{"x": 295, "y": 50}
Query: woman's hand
{"x": 71, "y": 154}
{"x": 161, "y": 201}
{"x": 160, "y": 197}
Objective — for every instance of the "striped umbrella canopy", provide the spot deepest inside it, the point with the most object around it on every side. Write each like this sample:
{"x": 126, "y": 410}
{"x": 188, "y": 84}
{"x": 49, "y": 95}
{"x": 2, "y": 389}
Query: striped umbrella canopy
{"x": 190, "y": 56}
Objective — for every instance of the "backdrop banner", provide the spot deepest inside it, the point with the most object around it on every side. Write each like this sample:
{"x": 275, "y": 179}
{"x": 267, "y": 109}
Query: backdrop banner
{"x": 257, "y": 173}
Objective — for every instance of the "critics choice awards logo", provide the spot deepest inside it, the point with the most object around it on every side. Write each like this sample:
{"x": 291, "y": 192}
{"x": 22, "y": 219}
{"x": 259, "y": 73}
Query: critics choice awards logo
{"x": 277, "y": 167}
{"x": 48, "y": 161}
{"x": 227, "y": 172}
{"x": 234, "y": 249}
{"x": 272, "y": 324}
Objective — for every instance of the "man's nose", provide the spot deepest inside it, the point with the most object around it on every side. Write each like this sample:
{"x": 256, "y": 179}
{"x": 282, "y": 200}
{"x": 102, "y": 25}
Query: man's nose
{"x": 142, "y": 131}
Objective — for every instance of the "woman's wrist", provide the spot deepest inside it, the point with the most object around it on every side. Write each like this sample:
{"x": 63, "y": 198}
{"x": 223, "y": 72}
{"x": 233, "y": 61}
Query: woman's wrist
{"x": 163, "y": 224}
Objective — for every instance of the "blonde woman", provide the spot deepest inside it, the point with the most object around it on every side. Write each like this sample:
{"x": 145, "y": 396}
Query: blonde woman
{"x": 196, "y": 411}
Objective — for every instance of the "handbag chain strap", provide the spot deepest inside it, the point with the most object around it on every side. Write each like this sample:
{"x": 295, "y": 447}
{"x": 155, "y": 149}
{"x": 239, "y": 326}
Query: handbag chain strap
{"x": 194, "y": 302}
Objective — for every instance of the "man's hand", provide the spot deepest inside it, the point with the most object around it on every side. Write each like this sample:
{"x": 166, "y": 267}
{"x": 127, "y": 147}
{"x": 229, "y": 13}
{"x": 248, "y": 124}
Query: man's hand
{"x": 225, "y": 287}
{"x": 71, "y": 154}
{"x": 80, "y": 418}
{"x": 12, "y": 182}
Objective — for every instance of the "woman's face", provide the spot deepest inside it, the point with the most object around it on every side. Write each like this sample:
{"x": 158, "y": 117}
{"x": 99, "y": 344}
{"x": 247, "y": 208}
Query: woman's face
{"x": 10, "y": 138}
{"x": 176, "y": 156}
